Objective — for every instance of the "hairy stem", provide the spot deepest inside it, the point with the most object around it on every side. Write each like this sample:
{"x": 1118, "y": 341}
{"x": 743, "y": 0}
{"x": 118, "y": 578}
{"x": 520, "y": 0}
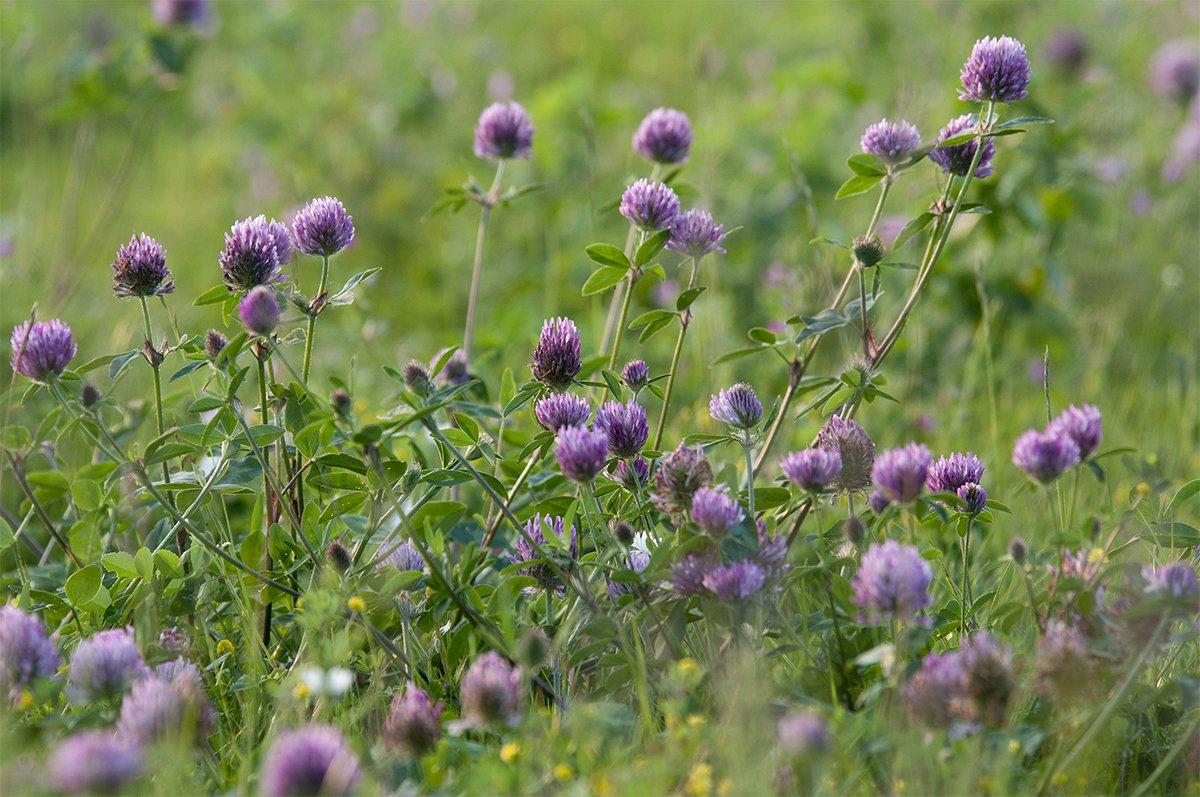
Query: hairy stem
{"x": 312, "y": 320}
{"x": 685, "y": 318}
{"x": 485, "y": 216}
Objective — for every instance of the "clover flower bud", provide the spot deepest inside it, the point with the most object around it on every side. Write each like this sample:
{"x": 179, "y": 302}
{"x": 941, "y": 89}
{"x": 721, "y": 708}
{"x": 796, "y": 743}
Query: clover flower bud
{"x": 868, "y": 250}
{"x": 664, "y": 136}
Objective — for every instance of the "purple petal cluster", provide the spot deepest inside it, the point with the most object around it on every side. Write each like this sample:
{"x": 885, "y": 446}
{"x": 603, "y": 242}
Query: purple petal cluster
{"x": 988, "y": 681}
{"x": 251, "y": 255}
{"x": 802, "y": 732}
{"x": 181, "y": 12}
{"x": 214, "y": 343}
{"x": 94, "y": 762}
{"x": 25, "y": 652}
{"x": 1064, "y": 665}
{"x": 997, "y": 70}
{"x": 679, "y": 475}
{"x": 322, "y": 227}
{"x": 695, "y": 234}
{"x": 956, "y": 159}
{"x": 491, "y": 692}
{"x": 1067, "y": 50}
{"x": 631, "y": 474}
{"x": 892, "y": 582}
{"x": 891, "y": 142}
{"x": 635, "y": 374}
{"x": 174, "y": 640}
{"x": 581, "y": 452}
{"x": 637, "y": 560}
{"x": 664, "y": 136}
{"x": 715, "y": 511}
{"x": 1175, "y": 581}
{"x": 556, "y": 358}
{"x": 933, "y": 693}
{"x": 405, "y": 557}
{"x": 811, "y": 469}
{"x": 1082, "y": 425}
{"x": 314, "y": 759}
{"x": 105, "y": 665}
{"x": 649, "y": 205}
{"x": 947, "y": 474}
{"x": 41, "y": 350}
{"x": 414, "y": 722}
{"x": 170, "y": 704}
{"x": 1045, "y": 455}
{"x": 140, "y": 269}
{"x": 562, "y": 409}
{"x": 456, "y": 370}
{"x": 688, "y": 574}
{"x": 504, "y": 130}
{"x": 772, "y": 552}
{"x": 973, "y": 496}
{"x": 1175, "y": 70}
{"x": 899, "y": 473}
{"x": 734, "y": 582}
{"x": 738, "y": 406}
{"x": 259, "y": 310}
{"x": 536, "y": 530}
{"x": 855, "y": 447}
{"x": 625, "y": 425}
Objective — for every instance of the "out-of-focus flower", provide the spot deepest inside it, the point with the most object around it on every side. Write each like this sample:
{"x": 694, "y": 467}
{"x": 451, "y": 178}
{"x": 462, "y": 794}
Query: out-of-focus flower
{"x": 1045, "y": 455}
{"x": 878, "y": 502}
{"x": 738, "y": 406}
{"x": 322, "y": 227}
{"x": 105, "y": 665}
{"x": 140, "y": 269}
{"x": 695, "y": 234}
{"x": 715, "y": 511}
{"x": 892, "y": 582}
{"x": 900, "y": 473}
{"x": 1067, "y": 50}
{"x": 687, "y": 575}
{"x": 41, "y": 350}
{"x": 405, "y": 557}
{"x": 94, "y": 762}
{"x": 664, "y": 136}
{"x": 1081, "y": 424}
{"x": 314, "y": 759}
{"x": 988, "y": 677}
{"x": 536, "y": 529}
{"x": 631, "y": 473}
{"x": 259, "y": 310}
{"x": 736, "y": 581}
{"x": 562, "y": 409}
{"x": 947, "y": 474}
{"x": 456, "y": 371}
{"x": 581, "y": 452}
{"x": 25, "y": 652}
{"x": 1175, "y": 70}
{"x": 932, "y": 693}
{"x": 891, "y": 142}
{"x": 173, "y": 640}
{"x": 625, "y": 425}
{"x": 802, "y": 732}
{"x": 332, "y": 682}
{"x": 637, "y": 560}
{"x": 997, "y": 70}
{"x": 1175, "y": 581}
{"x": 491, "y": 692}
{"x": 556, "y": 358}
{"x": 649, "y": 205}
{"x": 811, "y": 469}
{"x": 1185, "y": 149}
{"x": 855, "y": 447}
{"x": 166, "y": 706}
{"x": 956, "y": 158}
{"x": 678, "y": 476}
{"x": 181, "y": 12}
{"x": 1064, "y": 666}
{"x": 414, "y": 723}
{"x": 504, "y": 131}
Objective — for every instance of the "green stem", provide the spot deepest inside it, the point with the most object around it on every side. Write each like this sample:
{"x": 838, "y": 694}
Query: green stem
{"x": 685, "y": 318}
{"x": 634, "y": 274}
{"x": 862, "y": 310}
{"x": 312, "y": 320}
{"x": 748, "y": 450}
{"x": 485, "y": 216}
{"x": 965, "y": 590}
{"x": 267, "y": 563}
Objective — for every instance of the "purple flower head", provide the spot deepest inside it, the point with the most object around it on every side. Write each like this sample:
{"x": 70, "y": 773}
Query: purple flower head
{"x": 631, "y": 474}
{"x": 405, "y": 557}
{"x": 679, "y": 475}
{"x": 956, "y": 159}
{"x": 878, "y": 502}
{"x": 891, "y": 142}
{"x": 1045, "y": 455}
{"x": 625, "y": 425}
{"x": 414, "y": 723}
{"x": 947, "y": 474}
{"x": 105, "y": 665}
{"x": 1185, "y": 149}
{"x": 637, "y": 560}
{"x": 772, "y": 552}
{"x": 664, "y": 136}
{"x": 141, "y": 269}
{"x": 41, "y": 350}
{"x": 556, "y": 358}
{"x": 181, "y": 12}
{"x": 581, "y": 452}
{"x": 802, "y": 732}
{"x": 934, "y": 691}
{"x": 635, "y": 374}
{"x": 94, "y": 762}
{"x": 737, "y": 406}
{"x": 715, "y": 511}
{"x": 997, "y": 70}
{"x": 491, "y": 691}
{"x": 504, "y": 130}
{"x": 416, "y": 377}
{"x": 738, "y": 581}
{"x": 284, "y": 247}
{"x": 1064, "y": 662}
{"x": 179, "y": 668}
{"x": 856, "y": 448}
{"x": 173, "y": 640}
{"x": 892, "y": 582}
{"x": 259, "y": 310}
{"x": 1081, "y": 424}
{"x": 562, "y": 409}
{"x": 688, "y": 574}
{"x": 899, "y": 473}
{"x": 1175, "y": 581}
{"x": 250, "y": 257}
{"x": 322, "y": 227}
{"x": 988, "y": 678}
{"x": 973, "y": 496}
{"x": 1175, "y": 70}
{"x": 25, "y": 651}
{"x": 1067, "y": 50}
{"x": 649, "y": 205}
{"x": 214, "y": 343}
{"x": 167, "y": 706}
{"x": 456, "y": 371}
{"x": 536, "y": 529}
{"x": 811, "y": 469}
{"x": 311, "y": 760}
{"x": 695, "y": 234}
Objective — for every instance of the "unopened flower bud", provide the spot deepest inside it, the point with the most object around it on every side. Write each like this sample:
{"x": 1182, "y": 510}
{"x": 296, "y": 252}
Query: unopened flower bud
{"x": 214, "y": 342}
{"x": 868, "y": 250}
{"x": 89, "y": 395}
{"x": 1017, "y": 550}
{"x": 152, "y": 355}
{"x": 533, "y": 648}
{"x": 416, "y": 377}
{"x": 854, "y": 529}
{"x": 341, "y": 401}
{"x": 623, "y": 532}
{"x": 339, "y": 556}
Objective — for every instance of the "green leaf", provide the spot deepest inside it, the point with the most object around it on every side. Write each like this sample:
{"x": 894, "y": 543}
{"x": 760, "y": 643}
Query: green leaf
{"x": 1176, "y": 535}
{"x": 82, "y": 586}
{"x": 737, "y": 354}
{"x": 602, "y": 279}
{"x": 15, "y": 438}
{"x": 858, "y": 184}
{"x": 118, "y": 363}
{"x": 866, "y": 165}
{"x": 762, "y": 335}
{"x": 608, "y": 255}
{"x": 145, "y": 563}
{"x": 975, "y": 207}
{"x": 1182, "y": 495}
{"x": 651, "y": 247}
{"x": 121, "y": 564}
{"x": 649, "y": 318}
{"x": 961, "y": 138}
{"x": 344, "y": 296}
{"x": 87, "y": 495}
{"x": 824, "y": 321}
{"x": 653, "y": 328}
{"x": 912, "y": 228}
{"x": 95, "y": 363}
{"x": 187, "y": 369}
{"x": 821, "y": 239}
{"x": 687, "y": 297}
{"x": 214, "y": 295}
{"x": 1025, "y": 120}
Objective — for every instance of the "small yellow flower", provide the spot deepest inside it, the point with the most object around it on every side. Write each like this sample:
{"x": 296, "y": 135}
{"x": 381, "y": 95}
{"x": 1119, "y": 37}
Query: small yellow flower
{"x": 1059, "y": 778}
{"x": 509, "y": 752}
{"x": 602, "y": 786}
{"x": 1013, "y": 746}
{"x": 357, "y": 604}
{"x": 301, "y": 691}
{"x": 688, "y": 666}
{"x": 1096, "y": 555}
{"x": 699, "y": 782}
{"x": 224, "y": 647}
{"x": 1143, "y": 488}
{"x": 985, "y": 785}
{"x": 563, "y": 772}
{"x": 695, "y": 720}
{"x": 26, "y": 700}
{"x": 900, "y": 786}
{"x": 725, "y": 787}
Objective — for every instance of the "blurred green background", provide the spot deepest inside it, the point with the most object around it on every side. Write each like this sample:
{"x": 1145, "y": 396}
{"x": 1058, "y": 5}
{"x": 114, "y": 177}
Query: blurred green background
{"x": 111, "y": 124}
